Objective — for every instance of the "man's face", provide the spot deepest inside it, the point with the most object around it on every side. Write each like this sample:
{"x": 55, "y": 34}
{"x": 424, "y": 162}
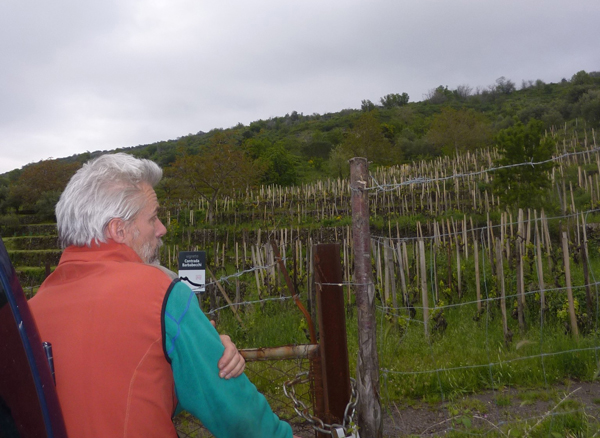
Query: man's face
{"x": 144, "y": 233}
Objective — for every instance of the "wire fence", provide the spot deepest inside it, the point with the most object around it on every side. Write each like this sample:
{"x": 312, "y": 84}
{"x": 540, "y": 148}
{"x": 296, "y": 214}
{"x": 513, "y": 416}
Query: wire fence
{"x": 490, "y": 362}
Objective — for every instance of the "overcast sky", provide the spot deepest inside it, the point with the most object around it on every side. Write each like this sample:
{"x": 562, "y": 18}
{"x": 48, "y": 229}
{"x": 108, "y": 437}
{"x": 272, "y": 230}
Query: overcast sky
{"x": 102, "y": 74}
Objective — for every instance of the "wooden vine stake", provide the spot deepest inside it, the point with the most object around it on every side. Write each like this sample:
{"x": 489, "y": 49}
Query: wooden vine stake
{"x": 458, "y": 273}
{"x": 500, "y": 274}
{"x": 402, "y": 277}
{"x": 540, "y": 271}
{"x": 423, "y": 277}
{"x": 390, "y": 278}
{"x": 586, "y": 270}
{"x": 520, "y": 280}
{"x": 370, "y": 418}
{"x": 477, "y": 278}
{"x": 565, "y": 247}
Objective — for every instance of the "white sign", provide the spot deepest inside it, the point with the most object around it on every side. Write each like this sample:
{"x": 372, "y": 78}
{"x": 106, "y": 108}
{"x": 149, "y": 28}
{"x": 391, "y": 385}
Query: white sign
{"x": 192, "y": 269}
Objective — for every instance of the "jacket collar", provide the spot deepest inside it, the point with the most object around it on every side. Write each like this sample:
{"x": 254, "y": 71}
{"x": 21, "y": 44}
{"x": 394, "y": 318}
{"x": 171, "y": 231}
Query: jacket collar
{"x": 110, "y": 250}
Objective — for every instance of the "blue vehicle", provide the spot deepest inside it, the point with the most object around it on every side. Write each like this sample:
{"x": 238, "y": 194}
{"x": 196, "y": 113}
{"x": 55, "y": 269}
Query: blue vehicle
{"x": 29, "y": 405}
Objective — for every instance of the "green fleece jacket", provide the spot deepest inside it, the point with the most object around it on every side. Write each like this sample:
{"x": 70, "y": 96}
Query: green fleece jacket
{"x": 227, "y": 408}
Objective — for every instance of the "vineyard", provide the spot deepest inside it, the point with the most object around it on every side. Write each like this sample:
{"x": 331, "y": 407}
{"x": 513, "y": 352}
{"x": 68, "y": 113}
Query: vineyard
{"x": 471, "y": 296}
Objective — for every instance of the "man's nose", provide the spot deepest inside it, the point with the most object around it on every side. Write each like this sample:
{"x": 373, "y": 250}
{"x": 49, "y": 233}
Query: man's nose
{"x": 161, "y": 229}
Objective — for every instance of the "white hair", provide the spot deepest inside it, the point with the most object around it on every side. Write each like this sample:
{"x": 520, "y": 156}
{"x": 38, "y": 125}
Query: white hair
{"x": 105, "y": 188}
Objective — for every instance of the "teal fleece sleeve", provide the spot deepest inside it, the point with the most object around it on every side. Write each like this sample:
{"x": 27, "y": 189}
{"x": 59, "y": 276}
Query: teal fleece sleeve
{"x": 227, "y": 408}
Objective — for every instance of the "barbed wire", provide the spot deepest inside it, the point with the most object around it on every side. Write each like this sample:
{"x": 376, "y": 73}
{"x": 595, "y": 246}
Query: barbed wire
{"x": 427, "y": 180}
{"x": 247, "y": 303}
{"x": 225, "y": 279}
{"x": 492, "y": 299}
{"x": 516, "y": 359}
{"x": 384, "y": 239}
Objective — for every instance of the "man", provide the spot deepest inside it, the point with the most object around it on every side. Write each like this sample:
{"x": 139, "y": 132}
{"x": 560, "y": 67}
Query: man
{"x": 130, "y": 345}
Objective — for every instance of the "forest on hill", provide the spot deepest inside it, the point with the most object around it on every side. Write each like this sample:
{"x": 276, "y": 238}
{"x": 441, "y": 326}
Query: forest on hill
{"x": 298, "y": 148}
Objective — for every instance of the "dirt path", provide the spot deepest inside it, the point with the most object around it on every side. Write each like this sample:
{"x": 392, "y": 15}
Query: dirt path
{"x": 487, "y": 411}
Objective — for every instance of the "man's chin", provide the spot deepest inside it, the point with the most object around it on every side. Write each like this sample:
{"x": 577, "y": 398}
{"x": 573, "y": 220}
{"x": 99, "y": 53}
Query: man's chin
{"x": 151, "y": 255}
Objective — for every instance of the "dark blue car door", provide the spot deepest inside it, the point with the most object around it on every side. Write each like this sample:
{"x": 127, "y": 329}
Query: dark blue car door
{"x": 29, "y": 405}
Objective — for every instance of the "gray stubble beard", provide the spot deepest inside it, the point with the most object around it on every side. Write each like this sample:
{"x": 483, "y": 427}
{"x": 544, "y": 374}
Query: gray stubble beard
{"x": 151, "y": 255}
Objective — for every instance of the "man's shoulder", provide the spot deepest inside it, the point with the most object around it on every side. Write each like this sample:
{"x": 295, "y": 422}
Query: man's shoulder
{"x": 172, "y": 275}
{"x": 157, "y": 274}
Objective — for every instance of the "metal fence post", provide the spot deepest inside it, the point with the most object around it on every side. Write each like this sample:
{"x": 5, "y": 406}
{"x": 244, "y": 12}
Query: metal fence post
{"x": 332, "y": 330}
{"x": 370, "y": 420}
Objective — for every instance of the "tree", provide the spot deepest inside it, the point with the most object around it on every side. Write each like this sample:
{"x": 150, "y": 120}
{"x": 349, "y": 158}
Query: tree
{"x": 589, "y": 107}
{"x": 525, "y": 185}
{"x": 393, "y": 100}
{"x": 463, "y": 91}
{"x": 39, "y": 178}
{"x": 278, "y": 163}
{"x": 171, "y": 187}
{"x": 4, "y": 192}
{"x": 16, "y": 197}
{"x": 279, "y": 166}
{"x": 581, "y": 78}
{"x": 455, "y": 131}
{"x": 367, "y": 105}
{"x": 218, "y": 170}
{"x": 366, "y": 139}
{"x": 438, "y": 95}
{"x": 504, "y": 86}
{"x": 338, "y": 163}
{"x": 45, "y": 205}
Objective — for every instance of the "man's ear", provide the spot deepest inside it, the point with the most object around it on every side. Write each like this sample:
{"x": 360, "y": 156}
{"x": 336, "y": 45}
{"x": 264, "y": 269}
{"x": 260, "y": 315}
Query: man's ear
{"x": 115, "y": 230}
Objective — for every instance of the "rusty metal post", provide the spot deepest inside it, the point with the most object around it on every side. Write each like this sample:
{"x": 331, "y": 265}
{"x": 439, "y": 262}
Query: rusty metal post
{"x": 332, "y": 331}
{"x": 370, "y": 419}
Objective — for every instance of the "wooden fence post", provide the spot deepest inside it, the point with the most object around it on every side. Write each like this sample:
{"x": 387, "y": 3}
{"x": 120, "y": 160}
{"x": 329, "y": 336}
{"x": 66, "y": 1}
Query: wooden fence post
{"x": 370, "y": 419}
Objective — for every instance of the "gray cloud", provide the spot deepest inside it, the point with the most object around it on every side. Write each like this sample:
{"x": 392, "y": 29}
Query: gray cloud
{"x": 101, "y": 75}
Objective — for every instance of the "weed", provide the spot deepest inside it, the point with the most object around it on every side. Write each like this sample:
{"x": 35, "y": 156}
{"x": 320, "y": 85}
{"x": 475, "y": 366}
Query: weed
{"x": 470, "y": 405}
{"x": 503, "y": 400}
{"x": 530, "y": 397}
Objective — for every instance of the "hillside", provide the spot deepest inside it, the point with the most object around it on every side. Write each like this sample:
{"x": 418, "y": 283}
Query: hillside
{"x": 484, "y": 231}
{"x": 296, "y": 148}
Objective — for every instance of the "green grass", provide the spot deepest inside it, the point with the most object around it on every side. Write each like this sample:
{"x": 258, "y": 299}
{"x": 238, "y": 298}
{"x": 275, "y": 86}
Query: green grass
{"x": 530, "y": 397}
{"x": 503, "y": 400}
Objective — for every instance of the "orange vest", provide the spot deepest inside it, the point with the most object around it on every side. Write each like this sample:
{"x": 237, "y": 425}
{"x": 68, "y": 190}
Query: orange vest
{"x": 101, "y": 311}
